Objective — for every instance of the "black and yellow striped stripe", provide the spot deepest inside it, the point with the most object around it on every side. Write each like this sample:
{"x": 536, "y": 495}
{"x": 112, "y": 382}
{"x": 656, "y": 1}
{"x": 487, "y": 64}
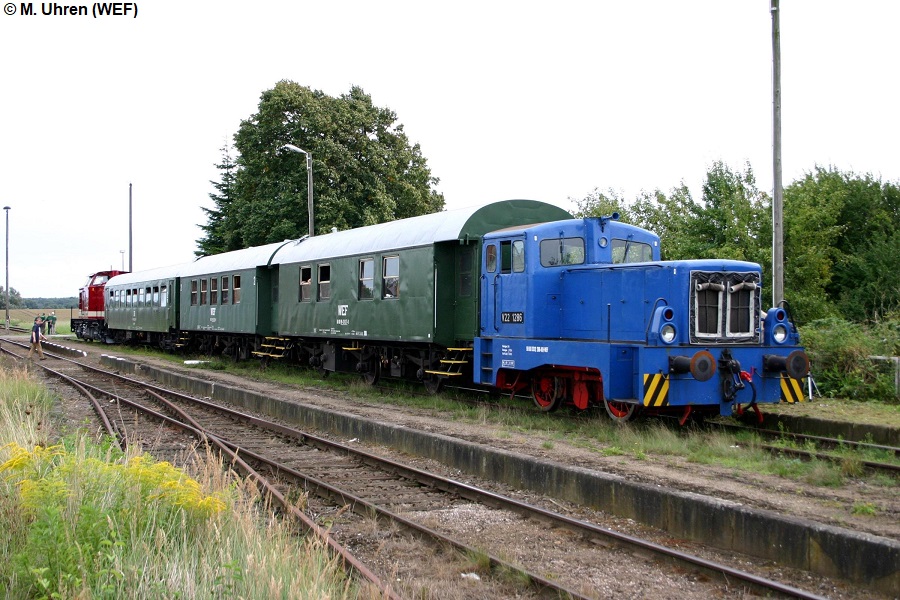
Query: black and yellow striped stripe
{"x": 791, "y": 391}
{"x": 656, "y": 389}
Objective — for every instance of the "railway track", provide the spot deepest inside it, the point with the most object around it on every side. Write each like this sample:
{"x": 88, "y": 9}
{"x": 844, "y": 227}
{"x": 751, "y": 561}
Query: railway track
{"x": 817, "y": 443}
{"x": 363, "y": 499}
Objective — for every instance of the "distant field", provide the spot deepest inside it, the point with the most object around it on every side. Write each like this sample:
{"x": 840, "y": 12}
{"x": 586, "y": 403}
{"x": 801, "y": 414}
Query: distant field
{"x": 24, "y": 317}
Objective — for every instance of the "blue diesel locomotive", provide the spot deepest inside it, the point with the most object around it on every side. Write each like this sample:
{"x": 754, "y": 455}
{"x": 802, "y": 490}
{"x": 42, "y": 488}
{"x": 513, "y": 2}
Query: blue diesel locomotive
{"x": 515, "y": 296}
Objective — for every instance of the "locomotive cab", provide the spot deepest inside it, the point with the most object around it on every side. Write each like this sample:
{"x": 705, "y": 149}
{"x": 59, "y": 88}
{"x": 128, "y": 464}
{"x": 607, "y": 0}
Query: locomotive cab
{"x": 91, "y": 321}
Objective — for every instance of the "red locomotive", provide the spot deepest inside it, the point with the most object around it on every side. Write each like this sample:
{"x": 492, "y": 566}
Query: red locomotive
{"x": 91, "y": 324}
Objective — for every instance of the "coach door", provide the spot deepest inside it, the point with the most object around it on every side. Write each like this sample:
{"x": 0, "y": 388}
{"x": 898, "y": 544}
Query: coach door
{"x": 465, "y": 305}
{"x": 504, "y": 289}
{"x": 267, "y": 297}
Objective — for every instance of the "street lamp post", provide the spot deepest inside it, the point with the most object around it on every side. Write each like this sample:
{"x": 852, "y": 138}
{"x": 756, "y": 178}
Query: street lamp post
{"x": 309, "y": 180}
{"x": 6, "y": 208}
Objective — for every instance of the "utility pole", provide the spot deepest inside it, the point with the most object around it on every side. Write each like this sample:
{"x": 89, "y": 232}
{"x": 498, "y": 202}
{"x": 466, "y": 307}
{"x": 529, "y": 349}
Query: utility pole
{"x": 778, "y": 194}
{"x": 7, "y": 209}
{"x": 130, "y": 249}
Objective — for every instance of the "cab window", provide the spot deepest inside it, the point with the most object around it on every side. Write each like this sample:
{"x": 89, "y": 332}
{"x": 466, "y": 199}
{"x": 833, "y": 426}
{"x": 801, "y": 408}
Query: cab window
{"x": 562, "y": 251}
{"x": 512, "y": 256}
{"x": 491, "y": 259}
{"x": 629, "y": 251}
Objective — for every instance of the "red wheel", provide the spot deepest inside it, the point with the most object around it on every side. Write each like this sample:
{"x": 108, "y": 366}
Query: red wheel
{"x": 547, "y": 393}
{"x": 621, "y": 412}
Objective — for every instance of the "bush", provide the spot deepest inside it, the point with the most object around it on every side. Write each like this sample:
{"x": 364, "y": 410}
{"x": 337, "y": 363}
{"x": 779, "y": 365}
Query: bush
{"x": 840, "y": 358}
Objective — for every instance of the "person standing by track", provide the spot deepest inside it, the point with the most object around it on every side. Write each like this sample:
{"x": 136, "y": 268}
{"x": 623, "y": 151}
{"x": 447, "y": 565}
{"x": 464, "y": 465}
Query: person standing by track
{"x": 36, "y": 337}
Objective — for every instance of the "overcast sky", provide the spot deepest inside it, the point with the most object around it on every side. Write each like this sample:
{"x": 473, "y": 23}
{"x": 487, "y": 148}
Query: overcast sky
{"x": 538, "y": 100}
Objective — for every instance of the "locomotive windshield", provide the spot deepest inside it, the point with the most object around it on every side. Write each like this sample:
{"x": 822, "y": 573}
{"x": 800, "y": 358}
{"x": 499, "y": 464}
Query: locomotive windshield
{"x": 629, "y": 251}
{"x": 562, "y": 251}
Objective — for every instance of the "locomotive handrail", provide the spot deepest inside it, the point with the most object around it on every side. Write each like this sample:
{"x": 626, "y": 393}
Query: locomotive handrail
{"x": 496, "y": 295}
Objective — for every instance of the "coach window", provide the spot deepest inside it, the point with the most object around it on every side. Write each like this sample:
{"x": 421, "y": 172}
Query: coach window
{"x": 214, "y": 291}
{"x": 203, "y": 289}
{"x": 324, "y": 282}
{"x": 225, "y": 289}
{"x": 155, "y": 295}
{"x": 366, "y": 278}
{"x": 193, "y": 292}
{"x": 142, "y": 298}
{"x": 163, "y": 296}
{"x": 236, "y": 290}
{"x": 305, "y": 283}
{"x": 491, "y": 259}
{"x": 390, "y": 281}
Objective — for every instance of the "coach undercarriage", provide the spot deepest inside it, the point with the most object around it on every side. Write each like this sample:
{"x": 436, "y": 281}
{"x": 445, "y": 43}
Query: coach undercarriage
{"x": 429, "y": 364}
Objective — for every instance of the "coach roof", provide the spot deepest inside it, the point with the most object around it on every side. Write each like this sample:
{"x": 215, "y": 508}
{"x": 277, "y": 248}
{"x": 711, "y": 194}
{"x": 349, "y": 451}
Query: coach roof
{"x": 461, "y": 224}
{"x": 248, "y": 258}
{"x": 226, "y": 262}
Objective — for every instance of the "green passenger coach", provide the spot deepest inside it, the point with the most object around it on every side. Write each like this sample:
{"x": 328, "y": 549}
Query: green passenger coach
{"x": 227, "y": 296}
{"x": 392, "y": 294}
{"x": 142, "y": 306}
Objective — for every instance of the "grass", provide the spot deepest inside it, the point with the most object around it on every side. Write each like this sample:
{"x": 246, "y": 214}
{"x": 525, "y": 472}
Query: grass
{"x": 24, "y": 317}
{"x": 85, "y": 520}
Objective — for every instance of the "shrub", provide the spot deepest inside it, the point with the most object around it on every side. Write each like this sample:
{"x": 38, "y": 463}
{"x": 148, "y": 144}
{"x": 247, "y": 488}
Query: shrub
{"x": 840, "y": 358}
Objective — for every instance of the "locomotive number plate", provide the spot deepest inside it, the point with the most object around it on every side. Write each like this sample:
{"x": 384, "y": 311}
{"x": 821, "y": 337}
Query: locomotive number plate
{"x": 512, "y": 317}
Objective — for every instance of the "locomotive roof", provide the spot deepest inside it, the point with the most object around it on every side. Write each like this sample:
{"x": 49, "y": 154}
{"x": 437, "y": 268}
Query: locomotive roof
{"x": 460, "y": 224}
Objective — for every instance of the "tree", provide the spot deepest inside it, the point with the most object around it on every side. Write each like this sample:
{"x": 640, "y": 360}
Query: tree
{"x": 669, "y": 217}
{"x": 15, "y": 298}
{"x": 216, "y": 239}
{"x": 365, "y": 170}
{"x": 842, "y": 238}
{"x": 733, "y": 221}
{"x": 598, "y": 204}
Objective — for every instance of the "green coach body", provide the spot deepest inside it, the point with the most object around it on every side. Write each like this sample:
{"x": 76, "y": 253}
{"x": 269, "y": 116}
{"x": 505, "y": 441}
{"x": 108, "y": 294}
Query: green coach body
{"x": 409, "y": 281}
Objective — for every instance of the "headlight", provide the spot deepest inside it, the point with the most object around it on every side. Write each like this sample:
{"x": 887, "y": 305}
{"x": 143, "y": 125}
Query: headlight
{"x": 779, "y": 334}
{"x": 667, "y": 333}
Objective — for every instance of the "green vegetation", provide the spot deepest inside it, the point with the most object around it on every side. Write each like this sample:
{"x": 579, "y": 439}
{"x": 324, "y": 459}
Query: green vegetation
{"x": 365, "y": 169}
{"x": 840, "y": 354}
{"x": 88, "y": 521}
{"x": 841, "y": 235}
